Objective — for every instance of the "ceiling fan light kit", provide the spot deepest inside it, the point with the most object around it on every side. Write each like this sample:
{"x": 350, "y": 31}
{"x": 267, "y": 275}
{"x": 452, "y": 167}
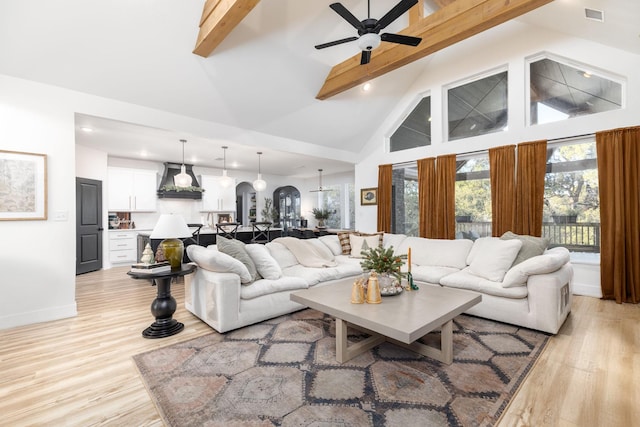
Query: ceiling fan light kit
{"x": 369, "y": 29}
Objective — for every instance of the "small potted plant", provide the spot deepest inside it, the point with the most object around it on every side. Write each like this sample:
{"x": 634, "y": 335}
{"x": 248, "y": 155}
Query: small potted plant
{"x": 383, "y": 262}
{"x": 321, "y": 215}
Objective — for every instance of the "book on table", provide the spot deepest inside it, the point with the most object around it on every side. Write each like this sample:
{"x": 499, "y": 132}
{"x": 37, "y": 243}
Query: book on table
{"x": 157, "y": 267}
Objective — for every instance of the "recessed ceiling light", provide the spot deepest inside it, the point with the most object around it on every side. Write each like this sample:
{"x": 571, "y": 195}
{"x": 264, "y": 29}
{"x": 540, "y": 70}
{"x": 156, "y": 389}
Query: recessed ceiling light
{"x": 86, "y": 129}
{"x": 366, "y": 87}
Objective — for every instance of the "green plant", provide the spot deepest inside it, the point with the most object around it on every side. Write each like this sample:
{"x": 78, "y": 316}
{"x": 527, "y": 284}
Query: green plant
{"x": 178, "y": 189}
{"x": 383, "y": 260}
{"x": 321, "y": 213}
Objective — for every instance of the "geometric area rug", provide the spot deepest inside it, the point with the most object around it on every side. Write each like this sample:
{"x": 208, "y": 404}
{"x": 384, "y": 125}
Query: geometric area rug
{"x": 283, "y": 372}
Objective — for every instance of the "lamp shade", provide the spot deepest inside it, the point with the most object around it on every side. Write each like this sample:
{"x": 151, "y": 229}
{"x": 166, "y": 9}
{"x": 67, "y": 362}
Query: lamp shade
{"x": 170, "y": 226}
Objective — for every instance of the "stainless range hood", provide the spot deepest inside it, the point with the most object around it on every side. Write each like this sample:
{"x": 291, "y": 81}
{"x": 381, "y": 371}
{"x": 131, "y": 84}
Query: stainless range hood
{"x": 168, "y": 190}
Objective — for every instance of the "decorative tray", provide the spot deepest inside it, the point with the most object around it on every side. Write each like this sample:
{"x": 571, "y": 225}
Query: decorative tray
{"x": 391, "y": 290}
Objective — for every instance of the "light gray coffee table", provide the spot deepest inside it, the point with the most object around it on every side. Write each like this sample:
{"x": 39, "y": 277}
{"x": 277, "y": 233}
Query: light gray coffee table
{"x": 401, "y": 319}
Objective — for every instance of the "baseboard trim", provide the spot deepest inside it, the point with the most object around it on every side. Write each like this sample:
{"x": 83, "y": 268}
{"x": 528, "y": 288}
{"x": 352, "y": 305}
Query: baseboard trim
{"x": 39, "y": 316}
{"x": 586, "y": 290}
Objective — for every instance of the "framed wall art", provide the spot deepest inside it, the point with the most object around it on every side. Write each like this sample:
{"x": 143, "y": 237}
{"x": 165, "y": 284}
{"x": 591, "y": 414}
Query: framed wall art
{"x": 23, "y": 186}
{"x": 369, "y": 196}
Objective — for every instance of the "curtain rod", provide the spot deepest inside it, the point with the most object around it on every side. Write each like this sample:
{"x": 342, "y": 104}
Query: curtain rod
{"x": 466, "y": 153}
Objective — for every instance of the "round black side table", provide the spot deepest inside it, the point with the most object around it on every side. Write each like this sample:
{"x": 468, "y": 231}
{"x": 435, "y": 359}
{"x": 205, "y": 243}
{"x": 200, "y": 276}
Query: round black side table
{"x": 164, "y": 305}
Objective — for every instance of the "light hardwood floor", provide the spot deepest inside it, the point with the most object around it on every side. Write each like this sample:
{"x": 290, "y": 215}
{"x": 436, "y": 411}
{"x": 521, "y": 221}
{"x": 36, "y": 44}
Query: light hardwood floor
{"x": 79, "y": 371}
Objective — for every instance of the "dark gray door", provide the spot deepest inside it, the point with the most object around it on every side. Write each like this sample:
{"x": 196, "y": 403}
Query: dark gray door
{"x": 88, "y": 225}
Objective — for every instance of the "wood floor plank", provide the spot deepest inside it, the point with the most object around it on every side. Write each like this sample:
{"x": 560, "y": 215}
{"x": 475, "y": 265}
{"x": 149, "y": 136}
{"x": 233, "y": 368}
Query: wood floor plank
{"x": 80, "y": 371}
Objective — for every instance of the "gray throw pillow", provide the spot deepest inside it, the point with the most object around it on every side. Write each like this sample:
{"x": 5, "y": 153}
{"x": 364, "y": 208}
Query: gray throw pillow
{"x": 531, "y": 245}
{"x": 236, "y": 249}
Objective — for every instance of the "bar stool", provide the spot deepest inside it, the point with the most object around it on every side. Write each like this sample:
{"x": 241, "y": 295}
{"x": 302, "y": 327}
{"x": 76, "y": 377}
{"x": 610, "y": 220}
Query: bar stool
{"x": 227, "y": 229}
{"x": 261, "y": 232}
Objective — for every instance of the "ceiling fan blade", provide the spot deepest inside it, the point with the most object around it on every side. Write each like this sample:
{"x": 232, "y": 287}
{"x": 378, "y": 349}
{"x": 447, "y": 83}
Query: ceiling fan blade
{"x": 366, "y": 57}
{"x": 400, "y": 39}
{"x": 395, "y": 13}
{"x": 346, "y": 15}
{"x": 336, "y": 42}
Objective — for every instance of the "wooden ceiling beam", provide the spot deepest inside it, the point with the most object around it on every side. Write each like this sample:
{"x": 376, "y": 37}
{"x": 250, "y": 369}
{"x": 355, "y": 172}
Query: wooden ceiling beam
{"x": 457, "y": 21}
{"x": 219, "y": 18}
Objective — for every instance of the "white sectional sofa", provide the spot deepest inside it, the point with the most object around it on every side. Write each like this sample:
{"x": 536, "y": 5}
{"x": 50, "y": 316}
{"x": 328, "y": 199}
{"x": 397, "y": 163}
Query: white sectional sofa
{"x": 529, "y": 290}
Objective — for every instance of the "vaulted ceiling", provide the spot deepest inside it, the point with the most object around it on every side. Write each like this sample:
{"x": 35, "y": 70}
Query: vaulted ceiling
{"x": 262, "y": 79}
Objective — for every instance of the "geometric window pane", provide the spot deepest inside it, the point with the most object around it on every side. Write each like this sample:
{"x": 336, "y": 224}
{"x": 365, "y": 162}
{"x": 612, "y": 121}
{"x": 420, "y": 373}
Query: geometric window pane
{"x": 415, "y": 130}
{"x": 478, "y": 107}
{"x": 559, "y": 91}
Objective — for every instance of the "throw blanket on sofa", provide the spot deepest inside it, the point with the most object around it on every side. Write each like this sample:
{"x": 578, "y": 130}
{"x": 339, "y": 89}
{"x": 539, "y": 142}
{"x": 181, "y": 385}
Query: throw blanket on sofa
{"x": 307, "y": 253}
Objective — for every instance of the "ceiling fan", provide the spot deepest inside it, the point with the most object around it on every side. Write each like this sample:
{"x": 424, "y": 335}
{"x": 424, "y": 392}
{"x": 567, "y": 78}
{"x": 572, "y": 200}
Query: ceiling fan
{"x": 369, "y": 29}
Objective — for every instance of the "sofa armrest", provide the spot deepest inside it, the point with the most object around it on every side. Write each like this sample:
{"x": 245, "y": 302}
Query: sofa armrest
{"x": 550, "y": 297}
{"x": 215, "y": 298}
{"x": 549, "y": 262}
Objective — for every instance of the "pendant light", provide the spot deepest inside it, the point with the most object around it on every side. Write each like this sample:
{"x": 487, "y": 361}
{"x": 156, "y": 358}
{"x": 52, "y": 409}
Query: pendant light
{"x": 259, "y": 184}
{"x": 320, "y": 189}
{"x": 182, "y": 179}
{"x": 225, "y": 181}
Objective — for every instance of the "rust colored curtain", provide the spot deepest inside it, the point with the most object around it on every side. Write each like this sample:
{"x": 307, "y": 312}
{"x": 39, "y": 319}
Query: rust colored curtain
{"x": 531, "y": 168}
{"x": 618, "y": 153}
{"x": 445, "y": 209}
{"x": 385, "y": 182}
{"x": 426, "y": 196}
{"x": 502, "y": 172}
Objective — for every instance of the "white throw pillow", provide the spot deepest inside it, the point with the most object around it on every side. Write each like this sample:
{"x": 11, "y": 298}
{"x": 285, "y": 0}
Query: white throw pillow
{"x": 214, "y": 260}
{"x": 282, "y": 255}
{"x": 491, "y": 257}
{"x": 436, "y": 252}
{"x": 358, "y": 244}
{"x": 266, "y": 265}
{"x": 332, "y": 242}
{"x": 322, "y": 249}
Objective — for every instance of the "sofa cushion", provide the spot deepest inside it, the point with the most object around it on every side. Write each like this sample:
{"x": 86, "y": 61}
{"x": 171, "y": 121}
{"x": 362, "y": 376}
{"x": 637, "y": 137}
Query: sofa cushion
{"x": 281, "y": 254}
{"x": 546, "y": 263}
{"x": 311, "y": 275}
{"x": 266, "y": 265}
{"x": 266, "y": 286}
{"x": 214, "y": 260}
{"x": 430, "y": 274}
{"x": 389, "y": 239}
{"x": 332, "y": 242}
{"x": 491, "y": 257}
{"x": 362, "y": 243}
{"x": 322, "y": 249}
{"x": 467, "y": 280}
{"x": 531, "y": 245}
{"x": 235, "y": 248}
{"x": 436, "y": 252}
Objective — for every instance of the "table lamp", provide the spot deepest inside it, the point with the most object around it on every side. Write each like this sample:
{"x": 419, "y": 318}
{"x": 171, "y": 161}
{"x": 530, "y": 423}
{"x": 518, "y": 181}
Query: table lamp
{"x": 171, "y": 228}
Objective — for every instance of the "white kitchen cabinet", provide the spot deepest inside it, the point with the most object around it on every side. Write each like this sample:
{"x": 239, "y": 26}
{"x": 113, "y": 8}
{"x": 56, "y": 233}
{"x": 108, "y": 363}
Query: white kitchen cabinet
{"x": 132, "y": 190}
{"x": 123, "y": 246}
{"x": 216, "y": 197}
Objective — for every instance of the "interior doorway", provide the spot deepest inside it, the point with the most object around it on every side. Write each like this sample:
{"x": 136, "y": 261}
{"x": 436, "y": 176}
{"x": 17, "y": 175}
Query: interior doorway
{"x": 88, "y": 225}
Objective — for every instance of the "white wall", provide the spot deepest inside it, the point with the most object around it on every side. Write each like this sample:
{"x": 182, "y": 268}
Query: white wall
{"x": 507, "y": 45}
{"x": 37, "y": 258}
